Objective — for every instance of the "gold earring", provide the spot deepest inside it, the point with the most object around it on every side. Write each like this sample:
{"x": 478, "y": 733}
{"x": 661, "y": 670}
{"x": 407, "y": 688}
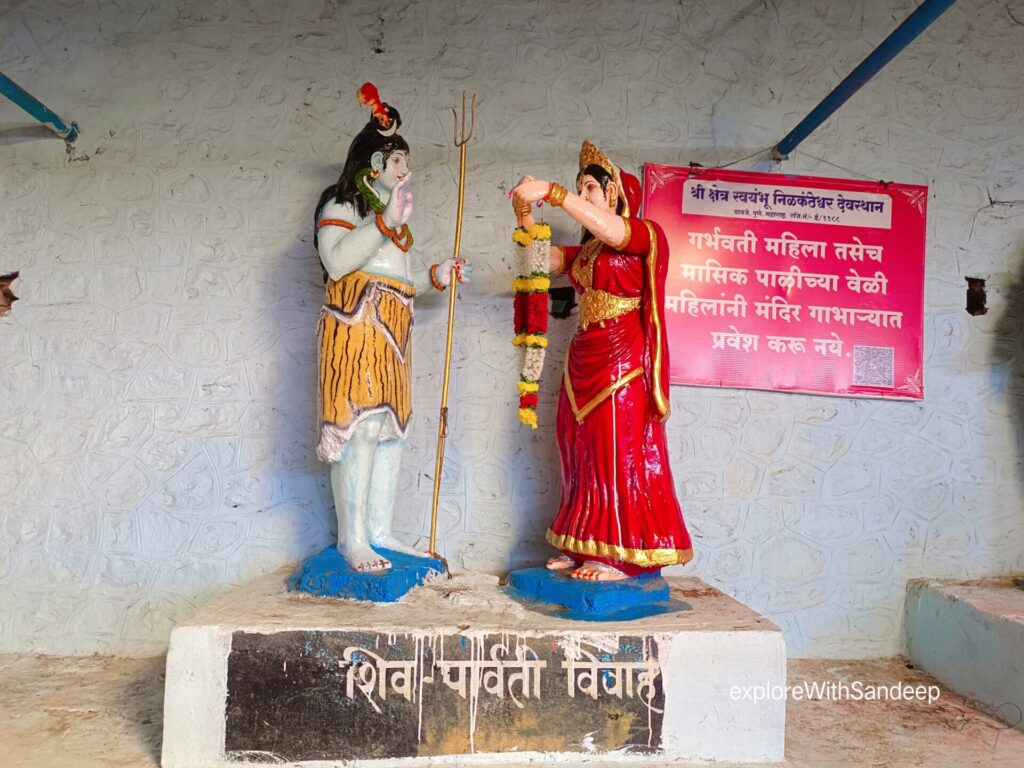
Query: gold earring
{"x": 374, "y": 173}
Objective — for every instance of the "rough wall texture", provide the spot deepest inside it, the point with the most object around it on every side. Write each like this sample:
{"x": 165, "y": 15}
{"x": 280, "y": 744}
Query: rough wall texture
{"x": 157, "y": 382}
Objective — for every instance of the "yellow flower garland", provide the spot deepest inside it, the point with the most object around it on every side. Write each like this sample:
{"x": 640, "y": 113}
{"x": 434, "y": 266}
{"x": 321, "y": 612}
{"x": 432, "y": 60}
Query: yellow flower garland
{"x": 540, "y": 231}
{"x": 529, "y": 340}
{"x": 528, "y": 387}
{"x": 531, "y": 284}
{"x": 528, "y": 416}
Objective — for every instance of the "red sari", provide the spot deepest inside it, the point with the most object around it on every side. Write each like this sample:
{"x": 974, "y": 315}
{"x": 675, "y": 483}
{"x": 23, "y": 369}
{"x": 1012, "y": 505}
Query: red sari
{"x": 618, "y": 504}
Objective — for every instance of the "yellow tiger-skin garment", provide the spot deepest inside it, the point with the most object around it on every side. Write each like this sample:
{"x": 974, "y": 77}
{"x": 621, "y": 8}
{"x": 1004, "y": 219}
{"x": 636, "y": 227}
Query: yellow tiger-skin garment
{"x": 365, "y": 357}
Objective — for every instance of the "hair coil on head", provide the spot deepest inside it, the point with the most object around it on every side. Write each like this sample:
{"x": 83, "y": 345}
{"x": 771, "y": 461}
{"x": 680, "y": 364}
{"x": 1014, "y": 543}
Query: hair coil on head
{"x": 369, "y": 96}
{"x": 379, "y": 134}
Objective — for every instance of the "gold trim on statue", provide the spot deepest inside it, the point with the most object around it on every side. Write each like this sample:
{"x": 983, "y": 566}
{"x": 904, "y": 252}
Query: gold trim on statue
{"x": 600, "y": 397}
{"x": 641, "y": 557}
{"x": 597, "y": 305}
{"x": 556, "y": 194}
{"x": 661, "y": 400}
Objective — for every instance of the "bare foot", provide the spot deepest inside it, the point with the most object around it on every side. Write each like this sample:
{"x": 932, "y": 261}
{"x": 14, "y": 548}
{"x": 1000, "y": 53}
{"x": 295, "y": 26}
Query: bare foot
{"x": 390, "y": 542}
{"x": 375, "y": 565}
{"x": 591, "y": 571}
{"x": 560, "y": 563}
{"x": 364, "y": 559}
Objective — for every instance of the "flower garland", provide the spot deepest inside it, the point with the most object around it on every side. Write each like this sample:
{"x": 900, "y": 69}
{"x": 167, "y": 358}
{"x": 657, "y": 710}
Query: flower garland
{"x": 533, "y": 246}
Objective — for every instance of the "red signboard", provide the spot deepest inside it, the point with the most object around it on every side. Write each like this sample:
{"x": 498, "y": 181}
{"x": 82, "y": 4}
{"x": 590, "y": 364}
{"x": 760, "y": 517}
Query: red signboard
{"x": 794, "y": 283}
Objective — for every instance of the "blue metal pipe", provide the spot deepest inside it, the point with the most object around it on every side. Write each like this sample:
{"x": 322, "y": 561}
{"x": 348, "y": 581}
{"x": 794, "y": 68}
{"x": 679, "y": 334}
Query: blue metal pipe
{"x": 905, "y": 33}
{"x": 37, "y": 109}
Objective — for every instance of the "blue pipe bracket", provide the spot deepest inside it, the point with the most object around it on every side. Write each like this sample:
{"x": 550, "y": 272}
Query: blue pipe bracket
{"x": 37, "y": 109}
{"x": 904, "y": 35}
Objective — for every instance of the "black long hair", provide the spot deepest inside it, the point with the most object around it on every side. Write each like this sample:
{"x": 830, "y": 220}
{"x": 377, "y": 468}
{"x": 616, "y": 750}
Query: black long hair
{"x": 367, "y": 141}
{"x": 602, "y": 177}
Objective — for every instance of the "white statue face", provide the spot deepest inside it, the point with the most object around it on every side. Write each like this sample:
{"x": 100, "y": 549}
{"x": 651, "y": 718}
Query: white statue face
{"x": 393, "y": 171}
{"x": 590, "y": 190}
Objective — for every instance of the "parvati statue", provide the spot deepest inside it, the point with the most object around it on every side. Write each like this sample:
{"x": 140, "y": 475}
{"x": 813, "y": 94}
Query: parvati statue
{"x": 618, "y": 515}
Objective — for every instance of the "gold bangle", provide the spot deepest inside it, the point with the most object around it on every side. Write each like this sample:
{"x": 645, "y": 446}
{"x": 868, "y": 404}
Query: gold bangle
{"x": 556, "y": 195}
{"x": 522, "y": 211}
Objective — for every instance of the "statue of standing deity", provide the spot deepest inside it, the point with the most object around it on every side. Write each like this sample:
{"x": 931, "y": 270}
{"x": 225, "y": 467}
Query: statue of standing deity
{"x": 365, "y": 373}
{"x": 618, "y": 516}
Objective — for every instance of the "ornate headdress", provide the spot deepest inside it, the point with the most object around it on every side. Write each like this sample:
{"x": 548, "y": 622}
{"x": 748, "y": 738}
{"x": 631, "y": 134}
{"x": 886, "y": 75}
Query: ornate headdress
{"x": 384, "y": 113}
{"x": 591, "y": 155}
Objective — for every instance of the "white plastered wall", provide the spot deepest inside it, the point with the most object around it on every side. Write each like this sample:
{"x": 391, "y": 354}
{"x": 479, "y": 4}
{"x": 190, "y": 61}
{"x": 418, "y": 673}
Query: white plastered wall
{"x": 157, "y": 378}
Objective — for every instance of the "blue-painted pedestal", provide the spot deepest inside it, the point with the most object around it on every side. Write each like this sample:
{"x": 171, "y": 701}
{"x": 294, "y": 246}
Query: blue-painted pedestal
{"x": 556, "y": 592}
{"x": 328, "y": 574}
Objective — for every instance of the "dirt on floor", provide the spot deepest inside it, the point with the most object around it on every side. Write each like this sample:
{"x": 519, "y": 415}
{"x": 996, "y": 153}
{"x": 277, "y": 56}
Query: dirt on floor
{"x": 80, "y": 712}
{"x": 105, "y": 712}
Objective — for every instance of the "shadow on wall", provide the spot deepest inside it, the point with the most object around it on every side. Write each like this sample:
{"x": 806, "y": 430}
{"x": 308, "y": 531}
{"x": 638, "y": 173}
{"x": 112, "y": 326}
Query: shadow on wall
{"x": 300, "y": 517}
{"x": 16, "y": 133}
{"x": 1007, "y": 352}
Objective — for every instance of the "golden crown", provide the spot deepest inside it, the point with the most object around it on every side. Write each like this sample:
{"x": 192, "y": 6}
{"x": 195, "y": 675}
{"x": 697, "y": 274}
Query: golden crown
{"x": 591, "y": 155}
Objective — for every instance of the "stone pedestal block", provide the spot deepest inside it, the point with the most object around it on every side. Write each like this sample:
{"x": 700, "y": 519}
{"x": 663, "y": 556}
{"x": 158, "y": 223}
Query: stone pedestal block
{"x": 970, "y": 637}
{"x": 552, "y": 591}
{"x": 458, "y": 672}
{"x": 328, "y": 574}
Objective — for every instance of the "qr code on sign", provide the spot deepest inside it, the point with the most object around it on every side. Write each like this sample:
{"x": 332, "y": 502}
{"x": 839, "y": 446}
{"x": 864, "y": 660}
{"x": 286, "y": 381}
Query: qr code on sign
{"x": 873, "y": 366}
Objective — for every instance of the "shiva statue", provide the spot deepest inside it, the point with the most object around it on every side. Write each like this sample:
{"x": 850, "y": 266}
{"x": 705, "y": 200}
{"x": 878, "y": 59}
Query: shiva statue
{"x": 365, "y": 375}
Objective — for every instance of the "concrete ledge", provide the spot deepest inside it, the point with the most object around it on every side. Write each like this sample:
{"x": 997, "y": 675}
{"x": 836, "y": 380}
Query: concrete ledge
{"x": 461, "y": 673}
{"x": 970, "y": 636}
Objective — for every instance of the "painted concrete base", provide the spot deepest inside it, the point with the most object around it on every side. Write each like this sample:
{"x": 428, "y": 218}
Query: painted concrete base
{"x": 459, "y": 673}
{"x": 555, "y": 591}
{"x": 970, "y": 636}
{"x": 328, "y": 574}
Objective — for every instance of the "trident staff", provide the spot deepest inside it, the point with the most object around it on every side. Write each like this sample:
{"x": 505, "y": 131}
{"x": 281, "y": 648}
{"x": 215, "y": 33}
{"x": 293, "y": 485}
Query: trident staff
{"x": 461, "y": 140}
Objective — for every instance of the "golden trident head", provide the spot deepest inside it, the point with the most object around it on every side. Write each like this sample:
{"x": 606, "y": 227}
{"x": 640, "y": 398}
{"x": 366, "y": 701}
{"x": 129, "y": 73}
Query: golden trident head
{"x": 461, "y": 137}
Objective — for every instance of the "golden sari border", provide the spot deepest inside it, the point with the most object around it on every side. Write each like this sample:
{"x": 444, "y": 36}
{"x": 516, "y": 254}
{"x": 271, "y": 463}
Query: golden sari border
{"x": 661, "y": 401}
{"x": 604, "y": 394}
{"x": 628, "y": 236}
{"x": 641, "y": 557}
